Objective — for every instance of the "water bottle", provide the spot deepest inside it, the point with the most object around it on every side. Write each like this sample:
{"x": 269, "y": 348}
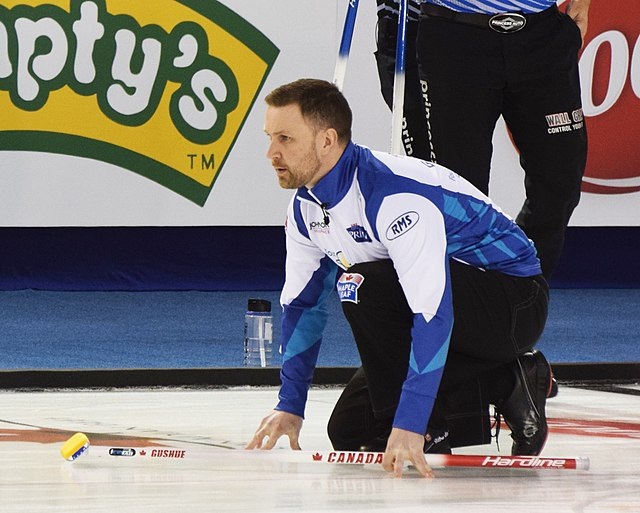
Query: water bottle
{"x": 258, "y": 334}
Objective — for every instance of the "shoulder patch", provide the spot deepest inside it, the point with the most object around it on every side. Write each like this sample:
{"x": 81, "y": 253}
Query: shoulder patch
{"x": 402, "y": 224}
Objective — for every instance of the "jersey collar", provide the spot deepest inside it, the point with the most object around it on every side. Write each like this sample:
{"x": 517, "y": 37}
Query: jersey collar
{"x": 333, "y": 186}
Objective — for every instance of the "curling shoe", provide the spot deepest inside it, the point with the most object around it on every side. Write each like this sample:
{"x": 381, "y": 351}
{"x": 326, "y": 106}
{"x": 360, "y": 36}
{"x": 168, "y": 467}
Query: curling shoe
{"x": 524, "y": 409}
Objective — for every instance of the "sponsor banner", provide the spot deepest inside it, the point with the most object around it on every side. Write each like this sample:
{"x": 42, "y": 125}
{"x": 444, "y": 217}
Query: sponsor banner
{"x": 610, "y": 77}
{"x": 159, "y": 87}
{"x": 150, "y": 112}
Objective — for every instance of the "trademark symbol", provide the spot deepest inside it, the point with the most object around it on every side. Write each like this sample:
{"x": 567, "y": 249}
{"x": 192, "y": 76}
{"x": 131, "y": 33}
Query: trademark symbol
{"x": 201, "y": 160}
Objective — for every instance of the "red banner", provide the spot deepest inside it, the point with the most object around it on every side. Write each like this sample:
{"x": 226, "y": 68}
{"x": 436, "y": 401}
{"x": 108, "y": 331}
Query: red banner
{"x": 610, "y": 75}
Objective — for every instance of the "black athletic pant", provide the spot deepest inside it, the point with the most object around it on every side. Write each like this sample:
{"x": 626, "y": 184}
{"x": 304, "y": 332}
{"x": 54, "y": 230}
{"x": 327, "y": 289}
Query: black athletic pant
{"x": 470, "y": 76}
{"x": 497, "y": 318}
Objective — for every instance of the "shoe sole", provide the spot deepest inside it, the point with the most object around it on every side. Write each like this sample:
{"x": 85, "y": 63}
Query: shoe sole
{"x": 543, "y": 382}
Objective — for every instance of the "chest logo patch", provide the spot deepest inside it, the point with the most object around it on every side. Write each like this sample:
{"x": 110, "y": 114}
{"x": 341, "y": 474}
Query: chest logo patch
{"x": 348, "y": 286}
{"x": 402, "y": 224}
{"x": 358, "y": 233}
{"x": 319, "y": 227}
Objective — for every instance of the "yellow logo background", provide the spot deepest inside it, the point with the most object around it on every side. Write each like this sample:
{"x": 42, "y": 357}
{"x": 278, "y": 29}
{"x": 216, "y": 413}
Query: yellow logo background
{"x": 73, "y": 124}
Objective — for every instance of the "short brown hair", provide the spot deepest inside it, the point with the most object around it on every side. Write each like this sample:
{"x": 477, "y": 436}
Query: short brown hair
{"x": 321, "y": 103}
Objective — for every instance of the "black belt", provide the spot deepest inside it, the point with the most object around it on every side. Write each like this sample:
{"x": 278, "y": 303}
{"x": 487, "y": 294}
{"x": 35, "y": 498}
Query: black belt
{"x": 505, "y": 23}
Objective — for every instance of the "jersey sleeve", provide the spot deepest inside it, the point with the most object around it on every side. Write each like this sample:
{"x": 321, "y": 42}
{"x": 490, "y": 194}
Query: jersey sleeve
{"x": 310, "y": 278}
{"x": 413, "y": 230}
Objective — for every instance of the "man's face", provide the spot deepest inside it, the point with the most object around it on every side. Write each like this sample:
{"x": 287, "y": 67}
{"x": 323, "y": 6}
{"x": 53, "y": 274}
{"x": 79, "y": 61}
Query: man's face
{"x": 293, "y": 147}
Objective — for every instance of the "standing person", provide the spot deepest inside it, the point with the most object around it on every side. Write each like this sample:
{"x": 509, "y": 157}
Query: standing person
{"x": 411, "y": 247}
{"x": 480, "y": 59}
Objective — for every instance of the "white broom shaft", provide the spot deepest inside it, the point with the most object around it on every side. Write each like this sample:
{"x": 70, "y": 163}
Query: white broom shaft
{"x": 163, "y": 453}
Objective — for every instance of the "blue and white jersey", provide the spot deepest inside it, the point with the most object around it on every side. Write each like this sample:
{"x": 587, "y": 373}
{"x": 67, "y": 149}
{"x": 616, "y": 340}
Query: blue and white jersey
{"x": 375, "y": 206}
{"x": 494, "y": 6}
{"x": 392, "y": 8}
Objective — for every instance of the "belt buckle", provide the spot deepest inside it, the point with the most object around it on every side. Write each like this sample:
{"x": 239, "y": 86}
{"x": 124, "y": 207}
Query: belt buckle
{"x": 507, "y": 22}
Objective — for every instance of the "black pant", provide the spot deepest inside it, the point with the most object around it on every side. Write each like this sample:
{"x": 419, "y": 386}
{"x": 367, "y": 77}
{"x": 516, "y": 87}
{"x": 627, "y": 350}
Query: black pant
{"x": 468, "y": 78}
{"x": 497, "y": 318}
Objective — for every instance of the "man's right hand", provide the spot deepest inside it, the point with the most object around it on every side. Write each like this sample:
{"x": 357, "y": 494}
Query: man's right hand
{"x": 273, "y": 426}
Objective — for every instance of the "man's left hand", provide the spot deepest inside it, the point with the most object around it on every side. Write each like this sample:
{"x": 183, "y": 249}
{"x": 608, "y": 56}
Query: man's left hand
{"x": 405, "y": 446}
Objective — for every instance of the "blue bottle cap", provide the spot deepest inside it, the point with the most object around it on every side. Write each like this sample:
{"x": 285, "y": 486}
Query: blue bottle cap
{"x": 259, "y": 305}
